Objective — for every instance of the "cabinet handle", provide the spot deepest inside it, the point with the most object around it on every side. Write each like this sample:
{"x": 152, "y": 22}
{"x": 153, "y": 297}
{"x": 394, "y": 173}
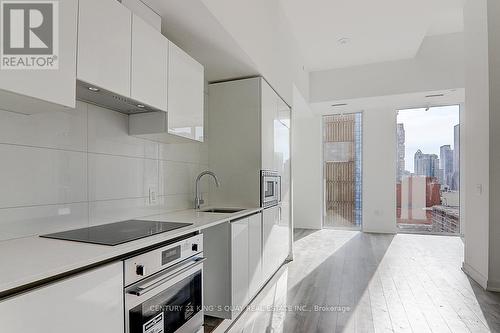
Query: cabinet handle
{"x": 167, "y": 276}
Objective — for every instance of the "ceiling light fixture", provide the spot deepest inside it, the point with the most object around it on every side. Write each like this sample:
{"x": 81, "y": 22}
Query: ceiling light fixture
{"x": 343, "y": 40}
{"x": 93, "y": 89}
{"x": 140, "y": 106}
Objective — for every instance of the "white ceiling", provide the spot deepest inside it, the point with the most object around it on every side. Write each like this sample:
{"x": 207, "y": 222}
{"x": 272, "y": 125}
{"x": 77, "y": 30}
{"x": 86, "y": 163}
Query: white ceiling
{"x": 402, "y": 101}
{"x": 191, "y": 26}
{"x": 378, "y": 30}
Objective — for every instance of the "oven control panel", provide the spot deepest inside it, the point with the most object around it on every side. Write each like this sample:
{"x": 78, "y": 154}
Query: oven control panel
{"x": 151, "y": 262}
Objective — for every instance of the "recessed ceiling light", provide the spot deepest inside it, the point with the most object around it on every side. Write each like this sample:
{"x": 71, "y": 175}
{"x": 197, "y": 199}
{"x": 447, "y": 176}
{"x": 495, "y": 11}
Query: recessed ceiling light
{"x": 140, "y": 106}
{"x": 343, "y": 40}
{"x": 340, "y": 104}
{"x": 94, "y": 89}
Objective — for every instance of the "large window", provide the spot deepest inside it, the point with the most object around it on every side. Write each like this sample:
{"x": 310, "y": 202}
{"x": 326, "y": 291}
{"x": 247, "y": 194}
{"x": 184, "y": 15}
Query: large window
{"x": 342, "y": 171}
{"x": 428, "y": 169}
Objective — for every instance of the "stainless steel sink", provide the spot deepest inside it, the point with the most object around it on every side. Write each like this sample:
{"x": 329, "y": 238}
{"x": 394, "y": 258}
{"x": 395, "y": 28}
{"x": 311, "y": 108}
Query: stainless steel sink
{"x": 222, "y": 210}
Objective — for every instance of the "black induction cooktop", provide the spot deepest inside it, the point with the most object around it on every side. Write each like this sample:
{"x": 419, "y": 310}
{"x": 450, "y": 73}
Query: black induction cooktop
{"x": 117, "y": 233}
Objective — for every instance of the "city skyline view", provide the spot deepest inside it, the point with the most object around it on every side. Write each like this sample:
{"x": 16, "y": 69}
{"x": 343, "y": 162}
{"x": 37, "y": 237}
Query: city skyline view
{"x": 428, "y": 170}
{"x": 439, "y": 131}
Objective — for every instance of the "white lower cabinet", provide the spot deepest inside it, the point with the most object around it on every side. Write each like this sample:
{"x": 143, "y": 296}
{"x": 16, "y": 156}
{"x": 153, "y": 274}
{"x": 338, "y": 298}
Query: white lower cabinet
{"x": 239, "y": 264}
{"x": 254, "y": 254}
{"x": 233, "y": 270}
{"x": 275, "y": 240}
{"x": 89, "y": 302}
{"x": 246, "y": 260}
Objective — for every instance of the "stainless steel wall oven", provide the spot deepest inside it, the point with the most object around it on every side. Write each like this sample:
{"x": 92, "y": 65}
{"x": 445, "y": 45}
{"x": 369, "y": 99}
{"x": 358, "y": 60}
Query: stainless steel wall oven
{"x": 164, "y": 289}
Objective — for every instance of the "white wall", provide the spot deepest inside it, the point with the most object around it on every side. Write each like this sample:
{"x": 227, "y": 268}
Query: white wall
{"x": 379, "y": 170}
{"x": 494, "y": 174}
{"x": 262, "y": 30}
{"x": 475, "y": 147}
{"x": 64, "y": 170}
{"x": 306, "y": 167}
{"x": 438, "y": 65}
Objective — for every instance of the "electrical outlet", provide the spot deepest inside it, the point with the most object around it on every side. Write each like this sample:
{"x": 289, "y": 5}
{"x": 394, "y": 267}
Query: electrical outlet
{"x": 479, "y": 189}
{"x": 153, "y": 198}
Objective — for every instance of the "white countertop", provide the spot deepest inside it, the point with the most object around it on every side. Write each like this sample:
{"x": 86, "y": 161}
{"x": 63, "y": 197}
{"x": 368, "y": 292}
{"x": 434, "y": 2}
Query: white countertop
{"x": 29, "y": 260}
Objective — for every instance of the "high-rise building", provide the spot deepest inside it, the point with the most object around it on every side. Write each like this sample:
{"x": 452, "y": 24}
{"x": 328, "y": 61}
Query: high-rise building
{"x": 401, "y": 152}
{"x": 455, "y": 184}
{"x": 446, "y": 161}
{"x": 426, "y": 164}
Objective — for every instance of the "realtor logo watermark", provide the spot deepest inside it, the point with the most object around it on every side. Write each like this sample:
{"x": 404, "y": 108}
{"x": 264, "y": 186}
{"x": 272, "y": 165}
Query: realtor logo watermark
{"x": 29, "y": 34}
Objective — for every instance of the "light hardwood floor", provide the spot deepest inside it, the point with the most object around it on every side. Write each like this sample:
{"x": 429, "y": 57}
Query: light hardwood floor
{"x": 382, "y": 283}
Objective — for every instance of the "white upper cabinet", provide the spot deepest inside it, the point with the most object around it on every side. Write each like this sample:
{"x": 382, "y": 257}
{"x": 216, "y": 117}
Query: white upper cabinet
{"x": 183, "y": 120}
{"x": 282, "y": 138}
{"x": 35, "y": 90}
{"x": 185, "y": 95}
{"x": 269, "y": 114}
{"x": 149, "y": 64}
{"x": 104, "y": 45}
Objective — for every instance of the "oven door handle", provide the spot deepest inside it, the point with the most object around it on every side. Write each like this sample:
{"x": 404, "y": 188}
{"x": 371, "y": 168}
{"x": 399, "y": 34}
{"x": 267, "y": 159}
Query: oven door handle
{"x": 147, "y": 287}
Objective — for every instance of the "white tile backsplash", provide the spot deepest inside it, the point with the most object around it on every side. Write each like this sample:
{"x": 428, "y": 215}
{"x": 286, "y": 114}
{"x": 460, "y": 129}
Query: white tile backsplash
{"x": 181, "y": 152}
{"x": 175, "y": 175}
{"x": 179, "y": 202}
{"x": 64, "y": 170}
{"x": 108, "y": 134}
{"x": 204, "y": 153}
{"x": 119, "y": 177}
{"x": 62, "y": 130}
{"x": 109, "y": 211}
{"x": 20, "y": 222}
{"x": 38, "y": 176}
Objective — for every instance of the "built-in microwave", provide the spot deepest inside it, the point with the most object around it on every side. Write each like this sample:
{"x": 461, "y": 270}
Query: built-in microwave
{"x": 270, "y": 188}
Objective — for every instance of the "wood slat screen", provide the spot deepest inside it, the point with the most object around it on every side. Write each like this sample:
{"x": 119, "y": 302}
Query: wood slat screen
{"x": 339, "y": 176}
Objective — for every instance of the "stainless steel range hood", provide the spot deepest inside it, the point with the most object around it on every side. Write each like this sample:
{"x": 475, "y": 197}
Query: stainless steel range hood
{"x": 101, "y": 97}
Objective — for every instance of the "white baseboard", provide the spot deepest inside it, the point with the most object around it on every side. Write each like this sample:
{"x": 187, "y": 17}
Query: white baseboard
{"x": 475, "y": 275}
{"x": 378, "y": 231}
{"x": 493, "y": 286}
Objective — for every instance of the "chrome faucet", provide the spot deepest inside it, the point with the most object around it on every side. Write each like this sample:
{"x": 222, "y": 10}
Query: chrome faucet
{"x": 198, "y": 199}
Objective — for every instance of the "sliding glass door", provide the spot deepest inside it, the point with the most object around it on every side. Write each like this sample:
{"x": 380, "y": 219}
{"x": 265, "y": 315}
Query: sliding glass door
{"x": 342, "y": 171}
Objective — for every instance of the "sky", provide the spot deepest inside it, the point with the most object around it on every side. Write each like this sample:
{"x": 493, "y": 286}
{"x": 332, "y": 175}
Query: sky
{"x": 428, "y": 130}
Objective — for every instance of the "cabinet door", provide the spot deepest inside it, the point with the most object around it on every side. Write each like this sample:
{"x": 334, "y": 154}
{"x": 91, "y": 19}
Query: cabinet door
{"x": 269, "y": 113}
{"x": 104, "y": 45}
{"x": 89, "y": 302}
{"x": 149, "y": 64}
{"x": 282, "y": 163}
{"x": 270, "y": 241}
{"x": 185, "y": 94}
{"x": 239, "y": 262}
{"x": 282, "y": 233}
{"x": 54, "y": 86}
{"x": 254, "y": 254}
